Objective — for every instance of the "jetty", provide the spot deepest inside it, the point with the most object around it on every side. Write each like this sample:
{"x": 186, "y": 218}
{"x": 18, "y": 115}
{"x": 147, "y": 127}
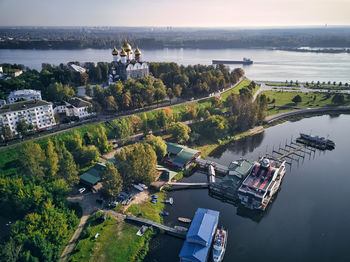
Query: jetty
{"x": 189, "y": 185}
{"x": 202, "y": 163}
{"x": 167, "y": 229}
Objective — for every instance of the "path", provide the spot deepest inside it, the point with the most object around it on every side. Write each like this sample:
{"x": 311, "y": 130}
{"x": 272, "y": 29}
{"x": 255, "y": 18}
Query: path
{"x": 275, "y": 117}
{"x": 103, "y": 118}
{"x": 89, "y": 205}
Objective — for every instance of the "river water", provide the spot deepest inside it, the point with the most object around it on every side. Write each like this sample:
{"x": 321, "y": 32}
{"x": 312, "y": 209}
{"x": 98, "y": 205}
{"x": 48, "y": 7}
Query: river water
{"x": 268, "y": 64}
{"x": 308, "y": 220}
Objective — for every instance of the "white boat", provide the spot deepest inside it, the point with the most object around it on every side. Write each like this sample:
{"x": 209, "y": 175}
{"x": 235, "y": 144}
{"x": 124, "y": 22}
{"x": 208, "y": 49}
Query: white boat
{"x": 142, "y": 230}
{"x": 219, "y": 245}
{"x": 180, "y": 228}
{"x": 184, "y": 220}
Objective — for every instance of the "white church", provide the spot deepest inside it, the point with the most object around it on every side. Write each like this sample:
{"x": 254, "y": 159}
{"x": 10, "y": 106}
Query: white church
{"x": 127, "y": 64}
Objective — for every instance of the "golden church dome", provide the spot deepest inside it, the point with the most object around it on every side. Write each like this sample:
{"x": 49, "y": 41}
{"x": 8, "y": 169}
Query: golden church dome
{"x": 123, "y": 53}
{"x": 126, "y": 46}
{"x": 137, "y": 52}
{"x": 115, "y": 51}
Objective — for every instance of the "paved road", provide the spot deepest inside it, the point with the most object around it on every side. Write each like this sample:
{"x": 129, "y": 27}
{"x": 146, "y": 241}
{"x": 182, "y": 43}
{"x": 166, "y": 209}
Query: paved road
{"x": 104, "y": 118}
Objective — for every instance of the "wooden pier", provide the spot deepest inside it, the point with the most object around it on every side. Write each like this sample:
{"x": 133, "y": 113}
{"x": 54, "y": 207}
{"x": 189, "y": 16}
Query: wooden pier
{"x": 189, "y": 185}
{"x": 169, "y": 230}
{"x": 202, "y": 163}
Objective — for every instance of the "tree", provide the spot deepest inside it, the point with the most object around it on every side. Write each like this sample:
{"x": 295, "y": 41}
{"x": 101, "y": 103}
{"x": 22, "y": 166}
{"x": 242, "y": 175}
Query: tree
{"x": 111, "y": 181}
{"x": 68, "y": 169}
{"x": 158, "y": 145}
{"x": 138, "y": 163}
{"x": 297, "y": 99}
{"x": 179, "y": 131}
{"x": 338, "y": 99}
{"x": 6, "y": 132}
{"x": 22, "y": 127}
{"x": 170, "y": 94}
{"x": 51, "y": 161}
{"x": 88, "y": 90}
{"x": 215, "y": 127}
{"x": 31, "y": 158}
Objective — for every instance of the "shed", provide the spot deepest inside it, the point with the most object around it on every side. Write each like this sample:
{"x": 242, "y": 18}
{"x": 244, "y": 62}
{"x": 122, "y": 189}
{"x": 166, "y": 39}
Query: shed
{"x": 92, "y": 176}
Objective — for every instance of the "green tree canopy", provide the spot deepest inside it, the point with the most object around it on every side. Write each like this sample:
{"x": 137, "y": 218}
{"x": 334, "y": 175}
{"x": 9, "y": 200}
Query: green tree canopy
{"x": 158, "y": 145}
{"x": 31, "y": 158}
{"x": 111, "y": 181}
{"x": 179, "y": 131}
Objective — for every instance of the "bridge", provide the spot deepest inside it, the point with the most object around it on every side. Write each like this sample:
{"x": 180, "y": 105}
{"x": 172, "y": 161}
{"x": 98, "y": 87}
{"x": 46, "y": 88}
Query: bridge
{"x": 217, "y": 167}
{"x": 189, "y": 185}
{"x": 169, "y": 230}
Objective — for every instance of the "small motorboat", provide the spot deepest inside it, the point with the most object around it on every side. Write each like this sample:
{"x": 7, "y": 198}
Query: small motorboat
{"x": 169, "y": 201}
{"x": 184, "y": 220}
{"x": 142, "y": 230}
{"x": 180, "y": 228}
{"x": 155, "y": 197}
{"x": 164, "y": 213}
{"x": 153, "y": 201}
{"x": 219, "y": 246}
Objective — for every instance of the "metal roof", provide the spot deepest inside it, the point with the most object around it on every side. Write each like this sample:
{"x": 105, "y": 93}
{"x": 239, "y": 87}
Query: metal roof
{"x": 92, "y": 176}
{"x": 174, "y": 148}
{"x": 183, "y": 154}
{"x": 240, "y": 166}
{"x": 200, "y": 235}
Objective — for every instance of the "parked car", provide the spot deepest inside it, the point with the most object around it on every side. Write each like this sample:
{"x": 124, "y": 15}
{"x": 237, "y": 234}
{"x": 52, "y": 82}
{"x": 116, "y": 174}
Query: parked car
{"x": 82, "y": 190}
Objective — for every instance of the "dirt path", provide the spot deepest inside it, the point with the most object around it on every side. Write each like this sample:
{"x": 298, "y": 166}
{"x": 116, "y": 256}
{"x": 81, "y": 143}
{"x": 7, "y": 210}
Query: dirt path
{"x": 89, "y": 205}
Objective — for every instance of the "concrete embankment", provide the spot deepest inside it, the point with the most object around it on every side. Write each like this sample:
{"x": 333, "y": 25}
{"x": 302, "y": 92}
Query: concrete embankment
{"x": 279, "y": 116}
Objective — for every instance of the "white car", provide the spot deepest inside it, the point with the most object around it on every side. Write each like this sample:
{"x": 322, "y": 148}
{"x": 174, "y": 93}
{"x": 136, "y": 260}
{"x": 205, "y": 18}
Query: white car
{"x": 81, "y": 190}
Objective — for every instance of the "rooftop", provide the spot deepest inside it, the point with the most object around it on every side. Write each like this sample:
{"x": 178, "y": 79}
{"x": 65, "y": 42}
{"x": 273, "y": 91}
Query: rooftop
{"x": 77, "y": 68}
{"x": 77, "y": 102}
{"x": 200, "y": 235}
{"x": 182, "y": 153}
{"x": 240, "y": 166}
{"x": 24, "y": 92}
{"x": 92, "y": 176}
{"x": 23, "y": 105}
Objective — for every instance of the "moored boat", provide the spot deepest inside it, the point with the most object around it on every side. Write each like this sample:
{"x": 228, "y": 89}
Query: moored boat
{"x": 219, "y": 245}
{"x": 184, "y": 220}
{"x": 180, "y": 228}
{"x": 142, "y": 230}
{"x": 318, "y": 141}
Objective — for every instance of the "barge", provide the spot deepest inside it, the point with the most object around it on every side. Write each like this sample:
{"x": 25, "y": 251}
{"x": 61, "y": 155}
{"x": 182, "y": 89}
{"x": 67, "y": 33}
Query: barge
{"x": 245, "y": 61}
{"x": 262, "y": 183}
{"x": 316, "y": 141}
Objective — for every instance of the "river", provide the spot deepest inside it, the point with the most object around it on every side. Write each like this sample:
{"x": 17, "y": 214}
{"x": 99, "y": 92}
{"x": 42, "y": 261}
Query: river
{"x": 308, "y": 220}
{"x": 268, "y": 64}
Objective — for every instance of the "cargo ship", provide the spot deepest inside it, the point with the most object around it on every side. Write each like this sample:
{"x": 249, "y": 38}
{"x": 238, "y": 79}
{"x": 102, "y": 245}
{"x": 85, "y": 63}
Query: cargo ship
{"x": 319, "y": 142}
{"x": 245, "y": 61}
{"x": 262, "y": 183}
{"x": 219, "y": 246}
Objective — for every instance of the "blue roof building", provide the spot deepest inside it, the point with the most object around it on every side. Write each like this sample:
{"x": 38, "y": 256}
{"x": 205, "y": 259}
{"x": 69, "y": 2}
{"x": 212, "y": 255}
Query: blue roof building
{"x": 200, "y": 236}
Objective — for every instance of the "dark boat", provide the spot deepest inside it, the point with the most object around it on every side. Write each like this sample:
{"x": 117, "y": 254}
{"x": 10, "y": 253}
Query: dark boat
{"x": 219, "y": 246}
{"x": 164, "y": 213}
{"x": 321, "y": 141}
{"x": 245, "y": 61}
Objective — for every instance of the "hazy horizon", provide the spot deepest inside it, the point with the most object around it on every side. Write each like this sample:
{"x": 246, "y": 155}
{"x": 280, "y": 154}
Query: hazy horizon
{"x": 178, "y": 14}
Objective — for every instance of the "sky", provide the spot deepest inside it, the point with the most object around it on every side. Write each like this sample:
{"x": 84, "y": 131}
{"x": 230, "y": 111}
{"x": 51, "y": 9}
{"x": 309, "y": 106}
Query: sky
{"x": 176, "y": 13}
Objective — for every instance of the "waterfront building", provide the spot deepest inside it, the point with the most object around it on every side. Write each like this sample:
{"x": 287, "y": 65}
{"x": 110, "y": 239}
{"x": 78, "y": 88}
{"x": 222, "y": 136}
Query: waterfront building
{"x": 127, "y": 64}
{"x": 27, "y": 94}
{"x": 39, "y": 113}
{"x": 180, "y": 156}
{"x": 200, "y": 236}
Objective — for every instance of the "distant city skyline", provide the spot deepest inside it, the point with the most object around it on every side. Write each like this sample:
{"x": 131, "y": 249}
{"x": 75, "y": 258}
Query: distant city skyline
{"x": 180, "y": 13}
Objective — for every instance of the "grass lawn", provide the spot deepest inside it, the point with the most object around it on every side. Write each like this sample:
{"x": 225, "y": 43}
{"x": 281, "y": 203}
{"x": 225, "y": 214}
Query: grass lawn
{"x": 9, "y": 161}
{"x": 331, "y": 87}
{"x": 282, "y": 84}
{"x": 117, "y": 242}
{"x": 149, "y": 210}
{"x": 312, "y": 99}
{"x": 235, "y": 90}
{"x": 276, "y": 110}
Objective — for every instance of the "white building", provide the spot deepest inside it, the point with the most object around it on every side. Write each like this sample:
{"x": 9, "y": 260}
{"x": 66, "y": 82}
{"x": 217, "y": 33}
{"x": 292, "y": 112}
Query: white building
{"x": 78, "y": 108}
{"x": 77, "y": 68}
{"x": 27, "y": 94}
{"x": 38, "y": 113}
{"x": 74, "y": 107}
